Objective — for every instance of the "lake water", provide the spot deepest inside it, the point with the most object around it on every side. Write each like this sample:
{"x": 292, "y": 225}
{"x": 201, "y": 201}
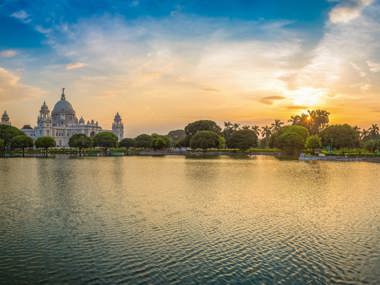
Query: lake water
{"x": 172, "y": 220}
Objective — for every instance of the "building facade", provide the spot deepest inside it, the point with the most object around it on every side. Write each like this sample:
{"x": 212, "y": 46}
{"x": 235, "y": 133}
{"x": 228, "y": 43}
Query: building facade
{"x": 62, "y": 123}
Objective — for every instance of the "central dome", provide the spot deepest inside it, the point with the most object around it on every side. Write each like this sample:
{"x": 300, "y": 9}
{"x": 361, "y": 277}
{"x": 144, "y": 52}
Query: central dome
{"x": 63, "y": 113}
{"x": 63, "y": 106}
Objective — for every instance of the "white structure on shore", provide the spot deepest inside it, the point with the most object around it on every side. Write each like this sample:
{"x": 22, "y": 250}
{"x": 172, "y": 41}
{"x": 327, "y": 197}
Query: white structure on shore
{"x": 5, "y": 119}
{"x": 62, "y": 123}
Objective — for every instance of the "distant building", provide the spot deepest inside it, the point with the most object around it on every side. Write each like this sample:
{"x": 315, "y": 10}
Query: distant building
{"x": 5, "y": 119}
{"x": 62, "y": 123}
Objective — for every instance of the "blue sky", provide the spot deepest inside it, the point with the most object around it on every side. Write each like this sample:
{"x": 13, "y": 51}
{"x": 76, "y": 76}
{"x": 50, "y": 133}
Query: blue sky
{"x": 164, "y": 63}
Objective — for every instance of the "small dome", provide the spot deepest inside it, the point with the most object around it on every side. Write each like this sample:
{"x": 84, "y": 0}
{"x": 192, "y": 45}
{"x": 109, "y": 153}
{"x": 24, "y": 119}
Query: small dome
{"x": 81, "y": 121}
{"x": 27, "y": 127}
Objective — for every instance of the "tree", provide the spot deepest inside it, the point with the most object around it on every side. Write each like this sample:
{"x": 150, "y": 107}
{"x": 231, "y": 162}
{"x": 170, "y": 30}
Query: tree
{"x": 242, "y": 139}
{"x": 45, "y": 143}
{"x": 80, "y": 141}
{"x": 229, "y": 128}
{"x": 127, "y": 143}
{"x": 372, "y": 145}
{"x": 7, "y": 133}
{"x": 291, "y": 142}
{"x": 105, "y": 140}
{"x": 205, "y": 140}
{"x": 202, "y": 125}
{"x": 266, "y": 133}
{"x": 314, "y": 120}
{"x": 176, "y": 136}
{"x": 2, "y": 145}
{"x": 313, "y": 143}
{"x": 144, "y": 141}
{"x": 22, "y": 142}
{"x": 373, "y": 132}
{"x": 160, "y": 142}
{"x": 338, "y": 136}
{"x": 301, "y": 131}
{"x": 276, "y": 125}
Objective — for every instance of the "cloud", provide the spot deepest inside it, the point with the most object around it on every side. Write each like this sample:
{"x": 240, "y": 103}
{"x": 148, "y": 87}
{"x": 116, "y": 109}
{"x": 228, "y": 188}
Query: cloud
{"x": 8, "y": 53}
{"x": 373, "y": 66}
{"x": 348, "y": 10}
{"x": 269, "y": 100}
{"x": 12, "y": 89}
{"x": 75, "y": 65}
{"x": 22, "y": 16}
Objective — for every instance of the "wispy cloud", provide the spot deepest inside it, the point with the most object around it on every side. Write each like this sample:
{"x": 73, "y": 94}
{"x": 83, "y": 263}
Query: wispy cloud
{"x": 348, "y": 10}
{"x": 373, "y": 66}
{"x": 22, "y": 16}
{"x": 8, "y": 53}
{"x": 75, "y": 65}
{"x": 12, "y": 89}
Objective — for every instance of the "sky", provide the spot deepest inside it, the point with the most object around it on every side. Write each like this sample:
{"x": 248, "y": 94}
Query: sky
{"x": 162, "y": 64}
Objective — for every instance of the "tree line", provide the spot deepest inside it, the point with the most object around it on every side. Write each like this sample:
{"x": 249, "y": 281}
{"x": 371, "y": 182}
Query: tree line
{"x": 309, "y": 131}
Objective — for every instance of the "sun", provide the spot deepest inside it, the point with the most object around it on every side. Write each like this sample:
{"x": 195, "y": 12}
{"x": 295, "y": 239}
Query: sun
{"x": 307, "y": 96}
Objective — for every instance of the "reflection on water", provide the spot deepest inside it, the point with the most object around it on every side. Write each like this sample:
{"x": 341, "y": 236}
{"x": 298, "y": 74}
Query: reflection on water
{"x": 150, "y": 220}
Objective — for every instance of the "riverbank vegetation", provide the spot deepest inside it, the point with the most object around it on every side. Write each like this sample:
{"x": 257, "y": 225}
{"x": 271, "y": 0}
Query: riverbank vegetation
{"x": 309, "y": 132}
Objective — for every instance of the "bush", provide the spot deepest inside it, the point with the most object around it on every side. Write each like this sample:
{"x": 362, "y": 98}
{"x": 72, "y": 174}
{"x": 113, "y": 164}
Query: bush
{"x": 242, "y": 139}
{"x": 205, "y": 140}
{"x": 291, "y": 142}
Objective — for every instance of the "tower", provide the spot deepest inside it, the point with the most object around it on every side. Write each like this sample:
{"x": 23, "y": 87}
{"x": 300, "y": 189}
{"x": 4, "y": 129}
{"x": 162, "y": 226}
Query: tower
{"x": 118, "y": 127}
{"x": 5, "y": 119}
{"x": 44, "y": 121}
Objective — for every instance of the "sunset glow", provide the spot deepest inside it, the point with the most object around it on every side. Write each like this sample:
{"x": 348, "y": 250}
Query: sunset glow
{"x": 163, "y": 65}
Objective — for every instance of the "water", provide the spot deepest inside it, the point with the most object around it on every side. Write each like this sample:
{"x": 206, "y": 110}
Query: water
{"x": 171, "y": 220}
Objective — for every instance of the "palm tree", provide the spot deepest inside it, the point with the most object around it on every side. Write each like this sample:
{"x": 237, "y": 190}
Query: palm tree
{"x": 374, "y": 130}
{"x": 364, "y": 134}
{"x": 276, "y": 125}
{"x": 256, "y": 129}
{"x": 266, "y": 133}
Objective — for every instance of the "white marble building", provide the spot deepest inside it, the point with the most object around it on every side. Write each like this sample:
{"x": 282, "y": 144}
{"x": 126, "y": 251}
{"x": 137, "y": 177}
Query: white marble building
{"x": 62, "y": 123}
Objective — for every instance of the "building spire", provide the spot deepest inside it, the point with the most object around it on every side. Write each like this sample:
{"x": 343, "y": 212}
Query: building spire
{"x": 63, "y": 97}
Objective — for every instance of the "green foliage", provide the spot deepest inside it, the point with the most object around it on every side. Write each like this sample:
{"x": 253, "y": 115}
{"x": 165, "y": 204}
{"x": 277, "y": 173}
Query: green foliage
{"x": 22, "y": 142}
{"x": 160, "y": 142}
{"x": 7, "y": 133}
{"x": 176, "y": 136}
{"x": 314, "y": 120}
{"x": 202, "y": 125}
{"x": 2, "y": 145}
{"x": 45, "y": 143}
{"x": 339, "y": 136}
{"x": 105, "y": 140}
{"x": 205, "y": 140}
{"x": 184, "y": 142}
{"x": 144, "y": 141}
{"x": 127, "y": 143}
{"x": 290, "y": 139}
{"x": 313, "y": 142}
{"x": 80, "y": 141}
{"x": 274, "y": 138}
{"x": 372, "y": 145}
{"x": 242, "y": 139}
